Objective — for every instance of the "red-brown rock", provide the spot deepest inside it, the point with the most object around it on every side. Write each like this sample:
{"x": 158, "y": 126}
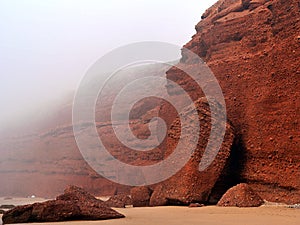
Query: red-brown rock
{"x": 74, "y": 193}
{"x": 75, "y": 204}
{"x": 241, "y": 195}
{"x": 253, "y": 49}
{"x": 119, "y": 201}
{"x": 189, "y": 184}
{"x": 140, "y": 196}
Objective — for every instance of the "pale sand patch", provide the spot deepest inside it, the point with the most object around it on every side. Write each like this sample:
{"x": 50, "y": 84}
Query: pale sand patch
{"x": 210, "y": 215}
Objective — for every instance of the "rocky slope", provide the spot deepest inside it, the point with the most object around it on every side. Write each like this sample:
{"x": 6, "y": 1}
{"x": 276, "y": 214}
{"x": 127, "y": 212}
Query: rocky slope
{"x": 253, "y": 48}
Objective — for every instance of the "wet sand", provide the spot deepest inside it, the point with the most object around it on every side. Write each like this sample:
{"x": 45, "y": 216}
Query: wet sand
{"x": 209, "y": 215}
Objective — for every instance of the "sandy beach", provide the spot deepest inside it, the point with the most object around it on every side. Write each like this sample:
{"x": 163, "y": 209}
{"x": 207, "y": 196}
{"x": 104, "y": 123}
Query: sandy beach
{"x": 174, "y": 215}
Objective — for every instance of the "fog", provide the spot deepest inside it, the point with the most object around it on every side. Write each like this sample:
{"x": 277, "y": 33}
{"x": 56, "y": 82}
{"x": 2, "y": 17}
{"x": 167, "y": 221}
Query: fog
{"x": 47, "y": 46}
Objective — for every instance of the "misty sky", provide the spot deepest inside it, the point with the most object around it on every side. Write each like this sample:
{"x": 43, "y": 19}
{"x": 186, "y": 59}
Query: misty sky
{"x": 46, "y": 46}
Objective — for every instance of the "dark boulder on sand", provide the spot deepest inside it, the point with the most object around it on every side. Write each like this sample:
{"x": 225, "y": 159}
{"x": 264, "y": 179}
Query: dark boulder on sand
{"x": 241, "y": 195}
{"x": 74, "y": 204}
{"x": 118, "y": 201}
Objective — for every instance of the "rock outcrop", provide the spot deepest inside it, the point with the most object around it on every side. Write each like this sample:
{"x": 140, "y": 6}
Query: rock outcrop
{"x": 189, "y": 184}
{"x": 253, "y": 49}
{"x": 74, "y": 204}
{"x": 241, "y": 195}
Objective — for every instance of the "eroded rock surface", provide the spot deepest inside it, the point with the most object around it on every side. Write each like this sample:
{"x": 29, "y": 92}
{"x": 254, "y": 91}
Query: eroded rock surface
{"x": 253, "y": 49}
{"x": 190, "y": 184}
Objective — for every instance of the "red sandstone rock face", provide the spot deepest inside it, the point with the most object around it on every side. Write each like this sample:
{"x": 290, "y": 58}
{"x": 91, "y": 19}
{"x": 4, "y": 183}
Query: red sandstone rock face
{"x": 253, "y": 50}
{"x": 189, "y": 184}
{"x": 241, "y": 195}
{"x": 74, "y": 204}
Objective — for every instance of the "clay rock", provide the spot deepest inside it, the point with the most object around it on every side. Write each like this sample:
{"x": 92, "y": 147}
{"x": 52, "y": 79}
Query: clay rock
{"x": 74, "y": 204}
{"x": 119, "y": 201}
{"x": 140, "y": 196}
{"x": 241, "y": 195}
{"x": 189, "y": 184}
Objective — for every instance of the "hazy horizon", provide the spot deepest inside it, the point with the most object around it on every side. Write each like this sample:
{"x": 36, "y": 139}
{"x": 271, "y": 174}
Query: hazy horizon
{"x": 47, "y": 46}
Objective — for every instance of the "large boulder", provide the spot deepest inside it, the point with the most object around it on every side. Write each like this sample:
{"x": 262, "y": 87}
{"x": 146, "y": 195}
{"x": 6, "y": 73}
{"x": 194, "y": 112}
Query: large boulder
{"x": 74, "y": 204}
{"x": 241, "y": 195}
{"x": 140, "y": 196}
{"x": 189, "y": 184}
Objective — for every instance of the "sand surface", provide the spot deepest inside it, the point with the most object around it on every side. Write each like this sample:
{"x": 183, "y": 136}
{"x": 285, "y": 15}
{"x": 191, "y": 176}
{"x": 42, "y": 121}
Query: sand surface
{"x": 209, "y": 215}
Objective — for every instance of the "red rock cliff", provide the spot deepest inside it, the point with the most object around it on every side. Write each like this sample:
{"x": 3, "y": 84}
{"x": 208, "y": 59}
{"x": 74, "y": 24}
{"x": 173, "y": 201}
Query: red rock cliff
{"x": 253, "y": 48}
